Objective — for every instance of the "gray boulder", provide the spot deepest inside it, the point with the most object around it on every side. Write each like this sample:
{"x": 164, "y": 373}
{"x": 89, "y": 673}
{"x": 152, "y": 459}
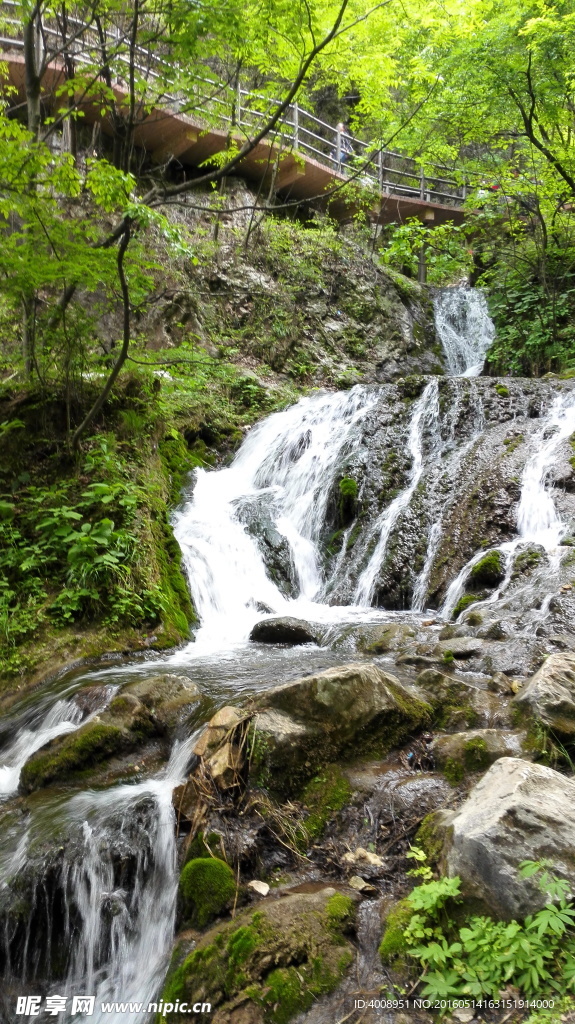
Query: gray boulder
{"x": 518, "y": 811}
{"x": 304, "y": 724}
{"x": 549, "y": 696}
{"x": 285, "y": 630}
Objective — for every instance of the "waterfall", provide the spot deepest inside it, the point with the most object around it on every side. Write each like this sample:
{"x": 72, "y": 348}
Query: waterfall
{"x": 120, "y": 936}
{"x": 537, "y": 519}
{"x": 464, "y": 328}
{"x": 425, "y": 414}
{"x": 290, "y": 461}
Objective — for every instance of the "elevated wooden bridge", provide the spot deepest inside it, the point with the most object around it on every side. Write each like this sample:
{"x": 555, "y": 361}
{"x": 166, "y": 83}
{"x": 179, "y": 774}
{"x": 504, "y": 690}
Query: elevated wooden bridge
{"x": 306, "y": 157}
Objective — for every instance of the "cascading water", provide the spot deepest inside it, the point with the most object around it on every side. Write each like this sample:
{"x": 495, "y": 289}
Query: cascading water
{"x": 288, "y": 462}
{"x": 538, "y": 521}
{"x": 425, "y": 414}
{"x": 464, "y": 328}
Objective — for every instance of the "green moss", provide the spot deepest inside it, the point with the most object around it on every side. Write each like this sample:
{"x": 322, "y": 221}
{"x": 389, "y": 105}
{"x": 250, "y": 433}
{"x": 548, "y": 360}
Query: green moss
{"x": 339, "y": 911}
{"x": 453, "y": 771}
{"x": 502, "y": 390}
{"x": 202, "y": 844}
{"x": 489, "y": 571}
{"x": 430, "y": 839}
{"x": 448, "y": 657}
{"x": 326, "y": 794}
{"x": 464, "y": 603}
{"x": 242, "y": 960}
{"x": 292, "y": 990}
{"x": 347, "y": 504}
{"x": 526, "y": 561}
{"x": 511, "y": 443}
{"x": 84, "y": 749}
{"x": 393, "y": 947}
{"x": 207, "y": 885}
{"x": 476, "y": 755}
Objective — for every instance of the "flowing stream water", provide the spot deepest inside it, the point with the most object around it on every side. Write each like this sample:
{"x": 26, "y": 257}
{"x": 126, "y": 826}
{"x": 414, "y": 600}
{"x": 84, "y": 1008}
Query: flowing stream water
{"x": 119, "y": 921}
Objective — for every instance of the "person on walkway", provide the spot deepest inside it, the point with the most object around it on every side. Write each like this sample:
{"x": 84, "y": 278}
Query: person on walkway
{"x": 344, "y": 145}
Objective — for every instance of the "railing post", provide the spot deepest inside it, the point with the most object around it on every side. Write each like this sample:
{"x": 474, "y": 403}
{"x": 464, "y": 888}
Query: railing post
{"x": 338, "y": 148}
{"x": 295, "y": 126}
{"x": 422, "y": 186}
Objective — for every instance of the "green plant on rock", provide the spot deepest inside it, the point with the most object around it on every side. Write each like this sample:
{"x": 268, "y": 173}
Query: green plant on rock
{"x": 489, "y": 571}
{"x": 207, "y": 886}
{"x": 481, "y": 957}
{"x": 324, "y": 796}
{"x": 348, "y": 492}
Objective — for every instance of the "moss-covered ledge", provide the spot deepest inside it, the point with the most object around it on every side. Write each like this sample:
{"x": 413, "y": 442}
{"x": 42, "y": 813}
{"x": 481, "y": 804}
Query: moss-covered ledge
{"x": 274, "y": 961}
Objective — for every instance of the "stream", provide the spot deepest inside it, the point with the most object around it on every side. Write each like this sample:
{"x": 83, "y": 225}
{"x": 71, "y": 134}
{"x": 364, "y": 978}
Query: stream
{"x": 264, "y": 537}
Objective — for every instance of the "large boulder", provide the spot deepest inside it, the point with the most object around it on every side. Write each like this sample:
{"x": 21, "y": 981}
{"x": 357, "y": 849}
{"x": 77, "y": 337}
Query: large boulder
{"x": 170, "y": 697}
{"x": 549, "y": 696}
{"x": 287, "y": 954}
{"x": 518, "y": 811}
{"x": 285, "y": 630}
{"x": 311, "y": 721}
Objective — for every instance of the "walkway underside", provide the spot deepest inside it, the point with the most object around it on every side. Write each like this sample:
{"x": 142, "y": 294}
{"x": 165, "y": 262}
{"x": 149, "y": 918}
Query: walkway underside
{"x": 165, "y": 134}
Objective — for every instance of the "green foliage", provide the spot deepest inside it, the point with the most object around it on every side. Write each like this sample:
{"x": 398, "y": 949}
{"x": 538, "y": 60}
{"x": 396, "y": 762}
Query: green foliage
{"x": 447, "y": 253}
{"x": 207, "y": 886}
{"x": 482, "y": 957}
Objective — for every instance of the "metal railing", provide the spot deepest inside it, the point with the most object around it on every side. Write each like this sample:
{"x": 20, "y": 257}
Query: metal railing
{"x": 216, "y": 102}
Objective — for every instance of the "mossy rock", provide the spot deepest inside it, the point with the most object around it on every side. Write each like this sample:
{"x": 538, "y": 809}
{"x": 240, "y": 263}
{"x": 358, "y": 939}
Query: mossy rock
{"x": 273, "y": 963}
{"x": 89, "y": 746}
{"x": 207, "y": 886}
{"x": 323, "y": 797}
{"x": 489, "y": 571}
{"x": 347, "y": 503}
{"x": 393, "y": 947}
{"x": 465, "y": 600}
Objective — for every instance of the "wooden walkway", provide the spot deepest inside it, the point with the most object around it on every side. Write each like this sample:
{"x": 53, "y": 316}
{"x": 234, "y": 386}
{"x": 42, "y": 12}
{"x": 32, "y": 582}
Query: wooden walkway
{"x": 307, "y": 156}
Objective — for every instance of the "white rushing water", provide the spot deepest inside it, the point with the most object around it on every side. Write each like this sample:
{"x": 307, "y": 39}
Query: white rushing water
{"x": 289, "y": 462}
{"x": 538, "y": 521}
{"x": 425, "y": 414}
{"x": 464, "y": 328}
{"x": 120, "y": 939}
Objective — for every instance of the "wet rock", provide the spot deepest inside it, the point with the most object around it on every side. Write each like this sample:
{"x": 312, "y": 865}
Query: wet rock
{"x": 371, "y": 637}
{"x": 459, "y": 647}
{"x": 295, "y": 946}
{"x": 450, "y": 631}
{"x": 518, "y": 811}
{"x": 453, "y": 701}
{"x": 495, "y": 631}
{"x": 319, "y": 718}
{"x": 123, "y": 727}
{"x": 219, "y": 727}
{"x": 171, "y": 697}
{"x": 285, "y": 630}
{"x": 549, "y": 696}
{"x": 476, "y": 749}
